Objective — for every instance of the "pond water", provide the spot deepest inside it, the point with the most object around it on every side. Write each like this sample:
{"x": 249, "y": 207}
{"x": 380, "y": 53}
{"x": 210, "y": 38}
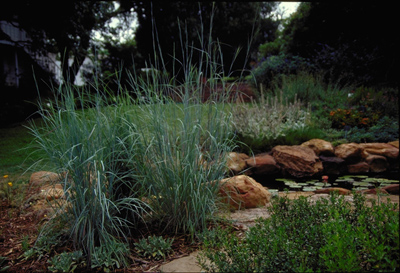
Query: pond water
{"x": 348, "y": 181}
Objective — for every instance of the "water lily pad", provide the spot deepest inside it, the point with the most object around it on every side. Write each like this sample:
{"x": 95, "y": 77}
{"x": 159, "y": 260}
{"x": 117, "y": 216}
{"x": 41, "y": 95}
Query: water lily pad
{"x": 359, "y": 176}
{"x": 320, "y": 184}
{"x": 393, "y": 181}
{"x": 362, "y": 184}
{"x": 361, "y": 188}
{"x": 343, "y": 180}
{"x": 295, "y": 187}
{"x": 274, "y": 192}
{"x": 284, "y": 180}
{"x": 346, "y": 177}
{"x": 389, "y": 181}
{"x": 370, "y": 179}
{"x": 302, "y": 184}
{"x": 309, "y": 188}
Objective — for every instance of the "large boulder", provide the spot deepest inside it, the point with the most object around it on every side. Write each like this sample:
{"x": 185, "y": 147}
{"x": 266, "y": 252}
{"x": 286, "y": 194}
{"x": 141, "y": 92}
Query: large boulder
{"x": 374, "y": 191}
{"x": 52, "y": 192}
{"x": 236, "y": 162}
{"x": 44, "y": 178}
{"x": 340, "y": 191}
{"x": 262, "y": 164}
{"x": 382, "y": 149}
{"x": 394, "y": 143}
{"x": 392, "y": 189}
{"x": 351, "y": 152}
{"x": 358, "y": 168}
{"x": 298, "y": 161}
{"x": 333, "y": 165}
{"x": 377, "y": 163}
{"x": 242, "y": 191}
{"x": 320, "y": 147}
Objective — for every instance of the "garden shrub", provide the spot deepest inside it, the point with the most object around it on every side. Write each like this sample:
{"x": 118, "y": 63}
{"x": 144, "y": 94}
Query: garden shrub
{"x": 385, "y": 130}
{"x": 382, "y": 101}
{"x": 353, "y": 118}
{"x": 154, "y": 247}
{"x": 272, "y": 67}
{"x": 329, "y": 235}
{"x": 273, "y": 121}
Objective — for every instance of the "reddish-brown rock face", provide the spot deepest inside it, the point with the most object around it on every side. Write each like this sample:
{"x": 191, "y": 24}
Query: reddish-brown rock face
{"x": 236, "y": 162}
{"x": 298, "y": 161}
{"x": 340, "y": 191}
{"x": 262, "y": 164}
{"x": 44, "y": 178}
{"x": 351, "y": 152}
{"x": 243, "y": 191}
{"x": 320, "y": 147}
{"x": 382, "y": 149}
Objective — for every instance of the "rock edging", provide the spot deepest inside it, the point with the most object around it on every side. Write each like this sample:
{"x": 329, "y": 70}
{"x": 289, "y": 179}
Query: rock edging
{"x": 319, "y": 157}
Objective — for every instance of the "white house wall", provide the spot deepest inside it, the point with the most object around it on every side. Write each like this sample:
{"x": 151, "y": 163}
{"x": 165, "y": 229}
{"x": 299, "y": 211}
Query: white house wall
{"x": 12, "y": 68}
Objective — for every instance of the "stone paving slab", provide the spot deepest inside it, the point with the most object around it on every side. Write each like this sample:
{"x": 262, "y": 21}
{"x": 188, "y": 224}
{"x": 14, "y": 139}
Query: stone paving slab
{"x": 185, "y": 264}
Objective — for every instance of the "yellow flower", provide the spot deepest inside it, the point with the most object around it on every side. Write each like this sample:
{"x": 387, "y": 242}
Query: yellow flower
{"x": 9, "y": 184}
{"x": 5, "y": 176}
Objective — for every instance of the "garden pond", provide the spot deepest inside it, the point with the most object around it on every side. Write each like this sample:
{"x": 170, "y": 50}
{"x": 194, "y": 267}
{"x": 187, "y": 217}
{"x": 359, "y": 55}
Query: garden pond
{"x": 356, "y": 182}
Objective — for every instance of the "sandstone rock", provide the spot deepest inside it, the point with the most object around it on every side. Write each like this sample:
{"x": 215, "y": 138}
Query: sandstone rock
{"x": 296, "y": 194}
{"x": 394, "y": 143}
{"x": 298, "y": 161}
{"x": 374, "y": 191}
{"x": 351, "y": 152}
{"x": 377, "y": 163}
{"x": 262, "y": 164}
{"x": 51, "y": 192}
{"x": 361, "y": 167}
{"x": 392, "y": 189}
{"x": 242, "y": 191}
{"x": 341, "y": 191}
{"x": 236, "y": 162}
{"x": 43, "y": 177}
{"x": 320, "y": 147}
{"x": 382, "y": 149}
{"x": 333, "y": 165}
{"x": 320, "y": 196}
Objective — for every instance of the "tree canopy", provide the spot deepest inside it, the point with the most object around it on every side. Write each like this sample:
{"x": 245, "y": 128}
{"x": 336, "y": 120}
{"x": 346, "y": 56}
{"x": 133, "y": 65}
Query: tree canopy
{"x": 60, "y": 26}
{"x": 162, "y": 25}
{"x": 346, "y": 37}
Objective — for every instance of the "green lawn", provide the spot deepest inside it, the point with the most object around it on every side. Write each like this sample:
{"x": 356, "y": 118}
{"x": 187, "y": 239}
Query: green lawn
{"x": 15, "y": 154}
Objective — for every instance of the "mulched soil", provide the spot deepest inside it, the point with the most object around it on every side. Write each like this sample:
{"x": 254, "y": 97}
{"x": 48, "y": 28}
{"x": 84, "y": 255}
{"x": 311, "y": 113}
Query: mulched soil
{"x": 23, "y": 223}
{"x": 16, "y": 226}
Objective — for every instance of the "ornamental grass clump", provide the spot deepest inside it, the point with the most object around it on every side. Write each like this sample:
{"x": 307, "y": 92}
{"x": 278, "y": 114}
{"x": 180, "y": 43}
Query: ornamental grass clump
{"x": 330, "y": 235}
{"x": 184, "y": 139}
{"x": 123, "y": 158}
{"x": 88, "y": 147}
